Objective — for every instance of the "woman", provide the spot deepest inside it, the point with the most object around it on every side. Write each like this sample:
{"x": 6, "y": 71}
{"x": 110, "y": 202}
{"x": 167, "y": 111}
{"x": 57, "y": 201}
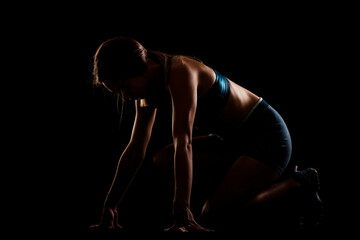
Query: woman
{"x": 256, "y": 139}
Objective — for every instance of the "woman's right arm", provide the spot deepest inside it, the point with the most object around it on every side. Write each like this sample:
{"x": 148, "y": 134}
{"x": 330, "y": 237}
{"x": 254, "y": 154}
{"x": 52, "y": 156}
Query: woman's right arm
{"x": 133, "y": 155}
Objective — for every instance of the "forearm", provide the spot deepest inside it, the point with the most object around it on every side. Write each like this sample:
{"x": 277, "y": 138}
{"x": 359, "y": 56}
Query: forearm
{"x": 183, "y": 176}
{"x": 129, "y": 163}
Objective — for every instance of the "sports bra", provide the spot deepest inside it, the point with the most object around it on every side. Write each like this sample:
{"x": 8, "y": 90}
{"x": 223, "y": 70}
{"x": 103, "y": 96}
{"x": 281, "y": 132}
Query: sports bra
{"x": 210, "y": 105}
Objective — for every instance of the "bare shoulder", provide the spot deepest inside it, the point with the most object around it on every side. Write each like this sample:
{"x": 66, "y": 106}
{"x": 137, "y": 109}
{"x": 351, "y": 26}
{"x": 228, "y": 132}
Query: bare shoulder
{"x": 189, "y": 66}
{"x": 187, "y": 70}
{"x": 181, "y": 64}
{"x": 187, "y": 61}
{"x": 181, "y": 70}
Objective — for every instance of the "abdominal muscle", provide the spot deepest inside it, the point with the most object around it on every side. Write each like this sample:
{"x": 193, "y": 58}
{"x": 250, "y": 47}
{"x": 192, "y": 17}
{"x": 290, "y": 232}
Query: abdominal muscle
{"x": 239, "y": 104}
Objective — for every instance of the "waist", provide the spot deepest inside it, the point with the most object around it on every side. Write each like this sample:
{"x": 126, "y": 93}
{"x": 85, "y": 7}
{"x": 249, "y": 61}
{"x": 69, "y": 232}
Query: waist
{"x": 260, "y": 101}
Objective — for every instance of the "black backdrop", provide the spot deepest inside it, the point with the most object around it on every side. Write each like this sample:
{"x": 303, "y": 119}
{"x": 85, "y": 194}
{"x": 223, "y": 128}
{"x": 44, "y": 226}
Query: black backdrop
{"x": 72, "y": 131}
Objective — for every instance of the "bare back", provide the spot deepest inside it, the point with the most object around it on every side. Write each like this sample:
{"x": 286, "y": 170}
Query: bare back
{"x": 240, "y": 100}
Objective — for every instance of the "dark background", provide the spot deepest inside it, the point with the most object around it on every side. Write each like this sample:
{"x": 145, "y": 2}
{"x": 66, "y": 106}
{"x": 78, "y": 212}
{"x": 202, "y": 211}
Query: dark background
{"x": 295, "y": 59}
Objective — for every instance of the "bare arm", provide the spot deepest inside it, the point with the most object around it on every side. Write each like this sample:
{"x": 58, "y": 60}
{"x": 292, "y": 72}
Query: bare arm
{"x": 183, "y": 91}
{"x": 183, "y": 87}
{"x": 132, "y": 157}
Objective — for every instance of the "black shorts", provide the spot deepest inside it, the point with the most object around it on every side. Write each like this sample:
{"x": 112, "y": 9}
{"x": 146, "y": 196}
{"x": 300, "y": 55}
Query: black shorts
{"x": 263, "y": 136}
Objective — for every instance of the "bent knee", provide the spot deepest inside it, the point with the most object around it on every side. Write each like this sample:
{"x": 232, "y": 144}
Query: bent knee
{"x": 163, "y": 157}
{"x": 215, "y": 216}
{"x": 207, "y": 213}
{"x": 211, "y": 211}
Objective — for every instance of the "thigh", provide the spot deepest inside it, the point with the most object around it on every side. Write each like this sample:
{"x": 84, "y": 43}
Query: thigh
{"x": 244, "y": 179}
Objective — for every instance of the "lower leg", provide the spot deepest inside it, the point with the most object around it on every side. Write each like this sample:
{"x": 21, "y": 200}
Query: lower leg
{"x": 299, "y": 192}
{"x": 275, "y": 191}
{"x": 307, "y": 179}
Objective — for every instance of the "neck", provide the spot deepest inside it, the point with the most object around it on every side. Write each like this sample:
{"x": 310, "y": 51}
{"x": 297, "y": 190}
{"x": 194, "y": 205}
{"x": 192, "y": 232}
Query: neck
{"x": 156, "y": 82}
{"x": 155, "y": 76}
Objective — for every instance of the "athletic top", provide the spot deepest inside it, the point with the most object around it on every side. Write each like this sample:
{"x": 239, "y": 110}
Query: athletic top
{"x": 210, "y": 105}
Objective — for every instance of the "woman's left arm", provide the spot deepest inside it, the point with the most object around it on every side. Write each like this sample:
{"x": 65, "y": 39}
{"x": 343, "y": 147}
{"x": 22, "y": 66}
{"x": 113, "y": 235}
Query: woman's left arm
{"x": 183, "y": 90}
